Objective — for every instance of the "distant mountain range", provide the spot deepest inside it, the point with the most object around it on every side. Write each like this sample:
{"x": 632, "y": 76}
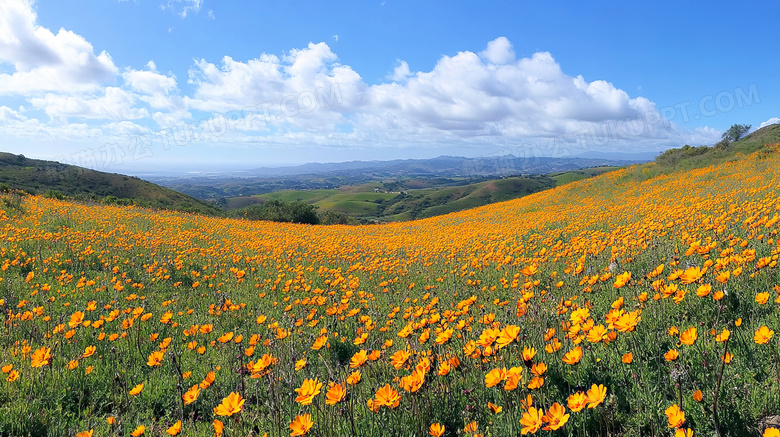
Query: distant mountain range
{"x": 334, "y": 175}
{"x": 442, "y": 166}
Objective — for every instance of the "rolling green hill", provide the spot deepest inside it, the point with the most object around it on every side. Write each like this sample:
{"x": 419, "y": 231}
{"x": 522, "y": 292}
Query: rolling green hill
{"x": 415, "y": 198}
{"x": 38, "y": 177}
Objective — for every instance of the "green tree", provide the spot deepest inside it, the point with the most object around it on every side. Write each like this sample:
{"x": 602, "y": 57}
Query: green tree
{"x": 735, "y": 132}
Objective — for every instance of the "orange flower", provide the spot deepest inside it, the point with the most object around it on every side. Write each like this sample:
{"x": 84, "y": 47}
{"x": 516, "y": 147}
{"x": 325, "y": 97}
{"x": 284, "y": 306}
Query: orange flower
{"x": 358, "y": 359}
{"x": 573, "y": 356}
{"x": 577, "y": 401}
{"x": 191, "y": 395}
{"x": 208, "y": 380}
{"x": 387, "y": 397}
{"x": 723, "y": 336}
{"x": 136, "y": 390}
{"x": 354, "y": 377}
{"x": 675, "y": 416}
{"x": 436, "y": 430}
{"x": 529, "y": 353}
{"x": 531, "y": 420}
{"x": 689, "y": 336}
{"x": 399, "y": 358}
{"x": 494, "y": 408}
{"x": 771, "y": 432}
{"x": 319, "y": 342}
{"x": 495, "y": 376}
{"x": 697, "y": 396}
{"x": 763, "y": 335}
{"x": 596, "y": 395}
{"x": 622, "y": 279}
{"x": 671, "y": 355}
{"x": 301, "y": 425}
{"x": 556, "y": 417}
{"x": 85, "y": 434}
{"x": 41, "y": 357}
{"x": 628, "y": 358}
{"x": 155, "y": 358}
{"x": 536, "y": 382}
{"x": 174, "y": 429}
{"x": 219, "y": 427}
{"x": 138, "y": 431}
{"x": 89, "y": 351}
{"x": 307, "y": 391}
{"x": 628, "y": 321}
{"x": 13, "y": 376}
{"x": 507, "y": 336}
{"x": 230, "y": 405}
{"x": 336, "y": 393}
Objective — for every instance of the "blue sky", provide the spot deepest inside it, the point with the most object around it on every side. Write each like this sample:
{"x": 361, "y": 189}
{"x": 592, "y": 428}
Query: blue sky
{"x": 148, "y": 85}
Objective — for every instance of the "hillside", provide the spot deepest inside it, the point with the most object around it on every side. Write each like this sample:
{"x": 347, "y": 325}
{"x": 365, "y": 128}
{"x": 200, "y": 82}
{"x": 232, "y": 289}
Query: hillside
{"x": 38, "y": 176}
{"x": 334, "y": 175}
{"x": 605, "y": 306}
{"x": 688, "y": 157}
{"x": 410, "y": 199}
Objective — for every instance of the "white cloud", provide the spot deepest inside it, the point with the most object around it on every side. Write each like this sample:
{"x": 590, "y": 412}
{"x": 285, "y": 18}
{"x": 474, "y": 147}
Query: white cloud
{"x": 499, "y": 51}
{"x": 43, "y": 61}
{"x": 771, "y": 121}
{"x": 270, "y": 79}
{"x": 149, "y": 81}
{"x": 116, "y": 104}
{"x": 400, "y": 72}
{"x": 8, "y": 114}
{"x": 184, "y": 7}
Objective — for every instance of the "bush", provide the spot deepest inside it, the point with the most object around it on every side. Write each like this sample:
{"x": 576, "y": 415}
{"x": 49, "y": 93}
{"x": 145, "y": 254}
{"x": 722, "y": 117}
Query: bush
{"x": 281, "y": 211}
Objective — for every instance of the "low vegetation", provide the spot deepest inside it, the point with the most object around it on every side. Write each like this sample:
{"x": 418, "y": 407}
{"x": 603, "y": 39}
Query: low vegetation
{"x": 57, "y": 180}
{"x": 606, "y": 306}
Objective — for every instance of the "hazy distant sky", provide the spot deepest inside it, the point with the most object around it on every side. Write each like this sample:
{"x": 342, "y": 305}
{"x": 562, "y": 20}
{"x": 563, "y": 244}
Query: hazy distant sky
{"x": 128, "y": 85}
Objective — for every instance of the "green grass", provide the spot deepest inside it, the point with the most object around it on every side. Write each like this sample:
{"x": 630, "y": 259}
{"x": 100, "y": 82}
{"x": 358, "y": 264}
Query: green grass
{"x": 37, "y": 177}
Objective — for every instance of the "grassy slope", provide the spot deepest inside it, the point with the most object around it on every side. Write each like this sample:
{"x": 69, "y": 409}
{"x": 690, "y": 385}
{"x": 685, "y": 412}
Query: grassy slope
{"x": 421, "y": 198}
{"x": 38, "y": 176}
{"x": 574, "y": 234}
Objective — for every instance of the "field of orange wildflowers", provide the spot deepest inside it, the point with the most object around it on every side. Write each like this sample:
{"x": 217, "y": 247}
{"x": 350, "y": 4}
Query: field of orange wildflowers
{"x": 610, "y": 306}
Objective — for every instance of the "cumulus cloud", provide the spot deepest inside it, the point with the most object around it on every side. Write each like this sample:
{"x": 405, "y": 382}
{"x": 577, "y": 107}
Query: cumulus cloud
{"x": 43, "y": 61}
{"x": 116, "y": 104}
{"x": 400, "y": 72}
{"x": 156, "y": 89}
{"x": 771, "y": 121}
{"x": 8, "y": 114}
{"x": 274, "y": 80}
{"x": 468, "y": 98}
